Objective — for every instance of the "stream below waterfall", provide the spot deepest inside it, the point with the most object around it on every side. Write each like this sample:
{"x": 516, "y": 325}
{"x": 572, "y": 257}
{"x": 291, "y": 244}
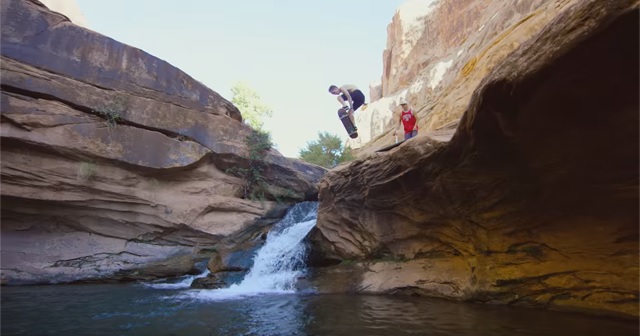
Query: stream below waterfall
{"x": 265, "y": 302}
{"x": 139, "y": 310}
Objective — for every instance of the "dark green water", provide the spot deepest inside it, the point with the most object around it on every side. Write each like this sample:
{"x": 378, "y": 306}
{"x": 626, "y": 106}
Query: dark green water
{"x": 138, "y": 310}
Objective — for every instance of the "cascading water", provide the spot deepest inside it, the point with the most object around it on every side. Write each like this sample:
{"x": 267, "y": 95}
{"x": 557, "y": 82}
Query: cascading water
{"x": 280, "y": 262}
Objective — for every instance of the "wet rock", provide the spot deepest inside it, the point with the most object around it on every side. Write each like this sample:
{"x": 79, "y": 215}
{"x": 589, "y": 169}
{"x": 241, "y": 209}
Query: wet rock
{"x": 344, "y": 278}
{"x": 215, "y": 263}
{"x": 209, "y": 282}
{"x": 168, "y": 268}
{"x": 321, "y": 252}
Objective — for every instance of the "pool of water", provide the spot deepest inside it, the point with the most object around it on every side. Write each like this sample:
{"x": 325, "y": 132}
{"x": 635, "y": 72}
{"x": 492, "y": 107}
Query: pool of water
{"x": 135, "y": 309}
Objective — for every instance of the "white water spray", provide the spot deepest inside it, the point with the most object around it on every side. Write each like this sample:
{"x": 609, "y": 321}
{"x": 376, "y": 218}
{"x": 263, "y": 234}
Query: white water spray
{"x": 279, "y": 263}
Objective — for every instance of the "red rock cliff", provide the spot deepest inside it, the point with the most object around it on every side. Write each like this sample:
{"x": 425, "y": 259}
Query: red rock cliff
{"x": 113, "y": 160}
{"x": 531, "y": 201}
{"x": 437, "y": 53}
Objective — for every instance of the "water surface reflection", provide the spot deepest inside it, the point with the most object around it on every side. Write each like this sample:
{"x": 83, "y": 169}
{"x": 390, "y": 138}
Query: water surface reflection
{"x": 140, "y": 310}
{"x": 384, "y": 315}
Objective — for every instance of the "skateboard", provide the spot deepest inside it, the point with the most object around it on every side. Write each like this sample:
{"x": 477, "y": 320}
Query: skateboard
{"x": 346, "y": 122}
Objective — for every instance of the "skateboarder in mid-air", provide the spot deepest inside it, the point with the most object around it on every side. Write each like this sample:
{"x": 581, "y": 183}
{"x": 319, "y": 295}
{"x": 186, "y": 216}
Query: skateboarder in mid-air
{"x": 348, "y": 94}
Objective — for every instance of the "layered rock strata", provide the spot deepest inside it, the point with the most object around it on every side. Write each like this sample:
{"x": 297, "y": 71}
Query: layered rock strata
{"x": 114, "y": 161}
{"x": 531, "y": 201}
{"x": 438, "y": 52}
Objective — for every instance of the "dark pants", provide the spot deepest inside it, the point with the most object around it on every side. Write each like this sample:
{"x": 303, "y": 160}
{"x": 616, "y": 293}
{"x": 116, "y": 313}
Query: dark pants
{"x": 358, "y": 99}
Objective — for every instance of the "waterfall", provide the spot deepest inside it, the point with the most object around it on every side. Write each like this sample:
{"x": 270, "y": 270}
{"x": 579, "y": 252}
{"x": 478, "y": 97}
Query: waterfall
{"x": 280, "y": 262}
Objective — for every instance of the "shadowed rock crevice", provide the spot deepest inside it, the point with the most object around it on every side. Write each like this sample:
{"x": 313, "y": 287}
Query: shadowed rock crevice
{"x": 533, "y": 201}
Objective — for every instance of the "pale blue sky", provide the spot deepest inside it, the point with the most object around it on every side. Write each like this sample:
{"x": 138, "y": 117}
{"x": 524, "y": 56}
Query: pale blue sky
{"x": 289, "y": 51}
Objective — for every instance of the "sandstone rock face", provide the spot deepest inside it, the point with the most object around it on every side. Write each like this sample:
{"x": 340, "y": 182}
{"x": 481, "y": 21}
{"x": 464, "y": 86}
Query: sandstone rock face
{"x": 437, "y": 53}
{"x": 531, "y": 201}
{"x": 69, "y": 8}
{"x": 375, "y": 91}
{"x": 113, "y": 160}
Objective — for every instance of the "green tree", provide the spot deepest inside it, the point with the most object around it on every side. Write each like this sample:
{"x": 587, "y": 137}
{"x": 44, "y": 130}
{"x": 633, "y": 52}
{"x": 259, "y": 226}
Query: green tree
{"x": 248, "y": 102}
{"x": 327, "y": 151}
{"x": 259, "y": 143}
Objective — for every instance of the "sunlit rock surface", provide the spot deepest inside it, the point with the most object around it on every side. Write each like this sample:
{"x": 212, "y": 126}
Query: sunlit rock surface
{"x": 69, "y": 8}
{"x": 114, "y": 160}
{"x": 438, "y": 52}
{"x": 532, "y": 200}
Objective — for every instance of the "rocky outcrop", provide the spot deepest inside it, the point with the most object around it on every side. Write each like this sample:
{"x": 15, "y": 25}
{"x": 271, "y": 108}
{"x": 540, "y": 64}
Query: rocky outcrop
{"x": 209, "y": 282}
{"x": 113, "y": 160}
{"x": 531, "y": 201}
{"x": 437, "y": 53}
{"x": 68, "y": 8}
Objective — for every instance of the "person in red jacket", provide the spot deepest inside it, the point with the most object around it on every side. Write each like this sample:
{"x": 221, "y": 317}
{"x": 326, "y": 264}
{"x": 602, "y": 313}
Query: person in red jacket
{"x": 409, "y": 121}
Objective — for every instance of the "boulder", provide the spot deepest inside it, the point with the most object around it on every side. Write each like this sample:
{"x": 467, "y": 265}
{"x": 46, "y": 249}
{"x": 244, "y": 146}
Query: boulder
{"x": 209, "y": 282}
